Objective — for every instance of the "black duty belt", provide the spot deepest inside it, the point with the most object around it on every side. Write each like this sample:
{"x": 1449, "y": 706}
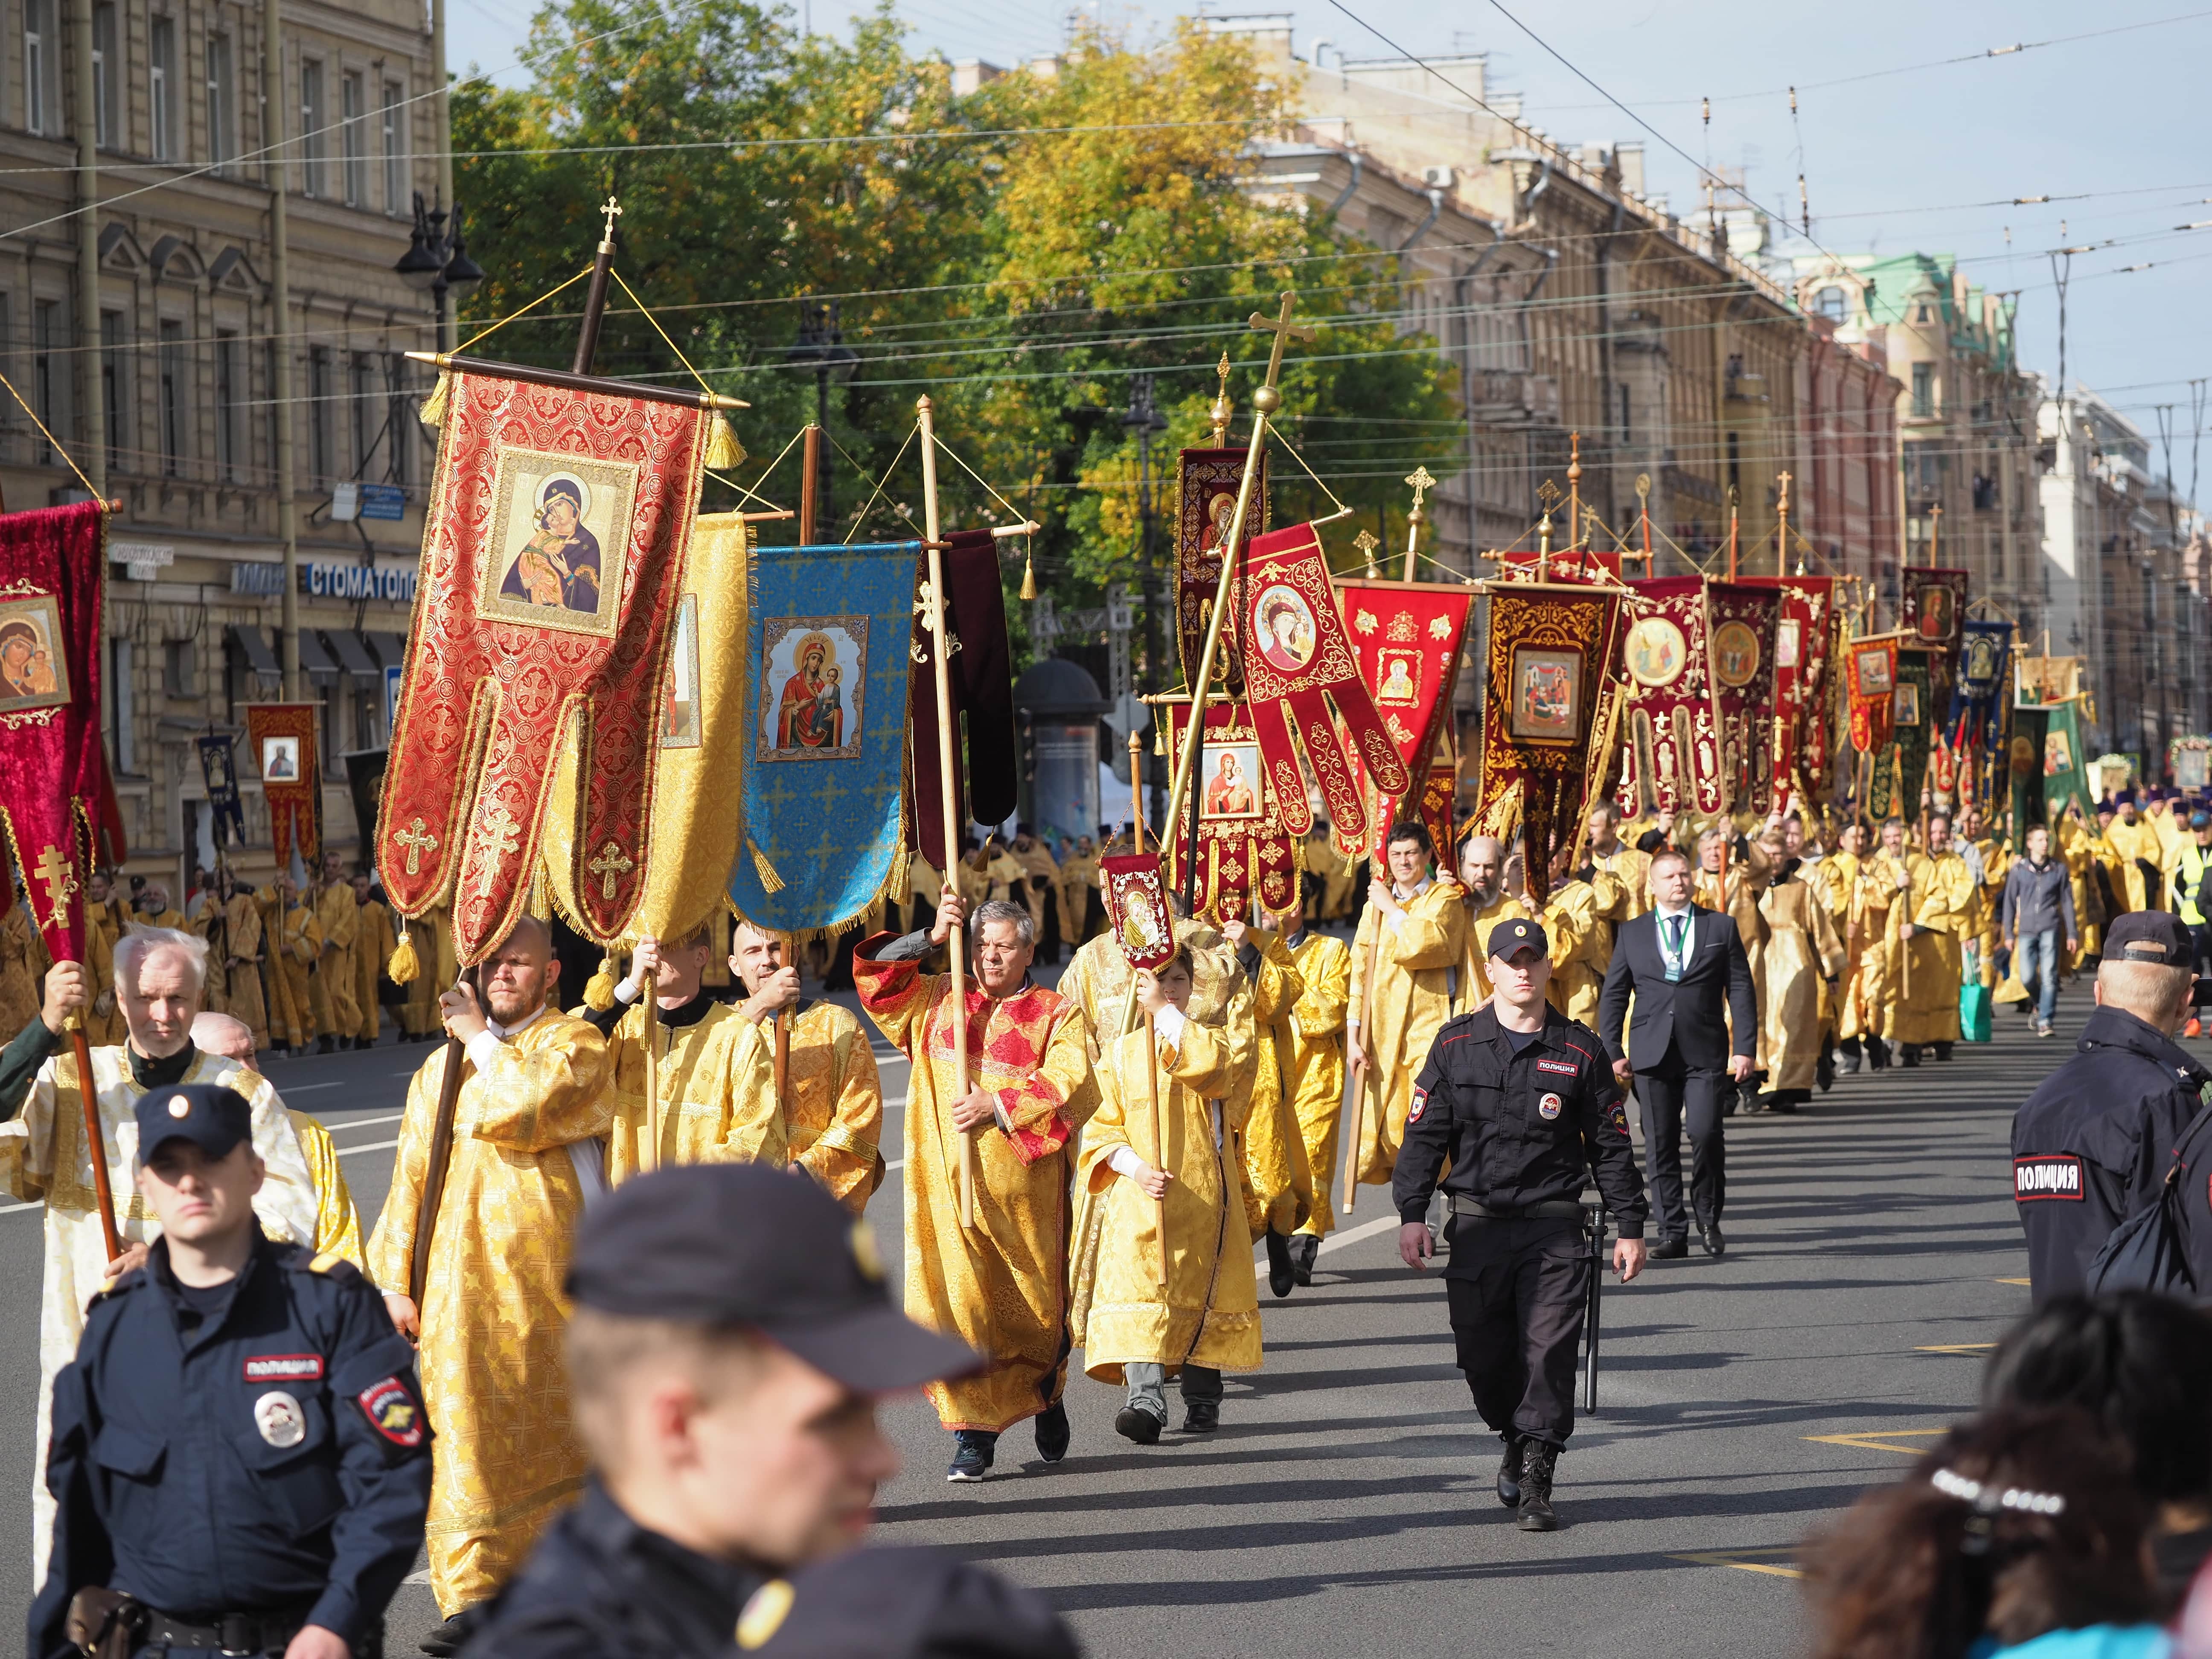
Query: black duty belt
{"x": 1560, "y": 1209}
{"x": 229, "y": 1633}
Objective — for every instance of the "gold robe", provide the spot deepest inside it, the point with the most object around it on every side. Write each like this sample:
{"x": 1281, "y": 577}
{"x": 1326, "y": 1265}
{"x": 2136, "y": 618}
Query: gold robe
{"x": 298, "y": 941}
{"x": 240, "y": 970}
{"x": 1097, "y": 980}
{"x": 717, "y": 1089}
{"x": 331, "y": 986}
{"x": 1920, "y": 981}
{"x": 1633, "y": 870}
{"x": 492, "y": 1311}
{"x": 1802, "y": 953}
{"x": 1278, "y": 1176}
{"x": 1078, "y": 880}
{"x": 23, "y": 964}
{"x": 833, "y": 1101}
{"x": 103, "y": 1020}
{"x": 432, "y": 935}
{"x": 372, "y": 950}
{"x": 2136, "y": 845}
{"x": 1410, "y": 1002}
{"x": 1208, "y": 1312}
{"x": 1000, "y": 1286}
{"x": 1574, "y": 919}
{"x": 1747, "y": 879}
{"x": 1312, "y": 1063}
{"x": 337, "y": 1223}
{"x": 1042, "y": 872}
{"x": 1474, "y": 975}
{"x": 43, "y": 1156}
{"x": 1835, "y": 882}
{"x": 2078, "y": 847}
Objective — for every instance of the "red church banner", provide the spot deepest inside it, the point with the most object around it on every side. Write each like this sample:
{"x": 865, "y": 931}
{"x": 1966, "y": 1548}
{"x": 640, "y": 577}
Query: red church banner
{"x": 1206, "y": 506}
{"x": 1137, "y": 910}
{"x": 1244, "y": 844}
{"x": 1673, "y": 763}
{"x": 1801, "y": 674}
{"x": 281, "y": 737}
{"x": 1742, "y": 621}
{"x": 1870, "y": 679}
{"x": 552, "y": 561}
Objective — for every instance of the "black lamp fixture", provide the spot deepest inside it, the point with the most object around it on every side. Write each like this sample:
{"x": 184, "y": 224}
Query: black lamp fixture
{"x": 437, "y": 258}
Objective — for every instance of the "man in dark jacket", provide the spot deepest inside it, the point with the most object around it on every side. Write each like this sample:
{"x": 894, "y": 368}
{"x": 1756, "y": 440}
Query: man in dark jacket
{"x": 2091, "y": 1145}
{"x": 2036, "y": 908}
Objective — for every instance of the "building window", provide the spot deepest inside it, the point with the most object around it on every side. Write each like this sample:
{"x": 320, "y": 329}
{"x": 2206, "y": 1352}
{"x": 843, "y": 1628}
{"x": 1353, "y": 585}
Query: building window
{"x": 170, "y": 367}
{"x": 311, "y": 146}
{"x": 367, "y": 417}
{"x": 42, "y": 69}
{"x": 1832, "y": 303}
{"x": 1624, "y": 415}
{"x": 226, "y": 405}
{"x": 398, "y": 420}
{"x": 322, "y": 448}
{"x": 268, "y": 385}
{"x": 178, "y": 672}
{"x": 112, "y": 384}
{"x": 353, "y": 140}
{"x": 222, "y": 105}
{"x": 395, "y": 152}
{"x": 167, "y": 89}
{"x": 1923, "y": 315}
{"x": 122, "y": 708}
{"x": 1923, "y": 389}
{"x": 105, "y": 59}
{"x": 49, "y": 338}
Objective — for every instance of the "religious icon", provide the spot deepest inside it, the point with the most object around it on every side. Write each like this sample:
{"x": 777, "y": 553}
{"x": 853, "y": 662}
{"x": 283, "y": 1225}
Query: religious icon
{"x": 2023, "y": 755}
{"x": 2058, "y": 753}
{"x": 1285, "y": 627}
{"x": 811, "y": 690}
{"x": 1221, "y": 517}
{"x": 1735, "y": 653}
{"x": 280, "y": 760}
{"x": 1230, "y": 771}
{"x": 1140, "y": 928}
{"x": 1873, "y": 667}
{"x": 553, "y": 518}
{"x": 1138, "y": 904}
{"x": 679, "y": 713}
{"x": 1400, "y": 686}
{"x": 1981, "y": 663}
{"x": 1547, "y": 689}
{"x": 1658, "y": 653}
{"x": 32, "y": 673}
{"x": 1786, "y": 643}
{"x": 1906, "y": 704}
{"x": 1937, "y": 620}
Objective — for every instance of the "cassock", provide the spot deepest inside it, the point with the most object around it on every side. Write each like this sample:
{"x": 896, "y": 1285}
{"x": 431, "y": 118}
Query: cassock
{"x": 432, "y": 935}
{"x": 1412, "y": 955}
{"x": 1278, "y": 1176}
{"x": 43, "y": 1156}
{"x": 833, "y": 1100}
{"x": 1574, "y": 918}
{"x": 337, "y": 1223}
{"x": 103, "y": 925}
{"x": 2140, "y": 859}
{"x": 1474, "y": 977}
{"x": 494, "y": 1379}
{"x": 23, "y": 964}
{"x": 1001, "y": 1285}
{"x": 241, "y": 969}
{"x": 1312, "y": 1063}
{"x": 1078, "y": 880}
{"x": 2078, "y": 847}
{"x": 1208, "y": 1314}
{"x": 331, "y": 987}
{"x": 374, "y": 940}
{"x": 715, "y": 1080}
{"x": 1633, "y": 870}
{"x": 1996, "y": 864}
{"x": 1920, "y": 980}
{"x": 298, "y": 941}
{"x": 1041, "y": 871}
{"x": 1803, "y": 954}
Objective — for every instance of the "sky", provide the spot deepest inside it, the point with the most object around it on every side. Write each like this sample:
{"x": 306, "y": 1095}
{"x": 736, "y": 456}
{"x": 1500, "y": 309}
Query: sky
{"x": 1928, "y": 159}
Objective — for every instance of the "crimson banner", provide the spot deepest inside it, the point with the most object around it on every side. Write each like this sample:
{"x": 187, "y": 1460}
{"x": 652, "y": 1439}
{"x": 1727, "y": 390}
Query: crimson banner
{"x": 1206, "y": 506}
{"x": 1137, "y": 910}
{"x": 1801, "y": 675}
{"x": 1871, "y": 680}
{"x": 1243, "y": 843}
{"x": 282, "y": 737}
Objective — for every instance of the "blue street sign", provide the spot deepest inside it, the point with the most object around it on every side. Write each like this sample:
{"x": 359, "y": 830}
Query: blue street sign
{"x": 380, "y": 501}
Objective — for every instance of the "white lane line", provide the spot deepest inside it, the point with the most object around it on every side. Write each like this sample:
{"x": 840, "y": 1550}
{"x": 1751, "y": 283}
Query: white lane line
{"x": 302, "y": 1088}
{"x": 373, "y": 1147}
{"x": 364, "y": 1122}
{"x": 1333, "y": 1242}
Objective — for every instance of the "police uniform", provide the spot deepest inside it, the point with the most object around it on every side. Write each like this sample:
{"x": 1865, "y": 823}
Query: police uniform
{"x": 1521, "y": 1117}
{"x": 725, "y": 1245}
{"x": 242, "y": 1459}
{"x": 2091, "y": 1145}
{"x": 2190, "y": 902}
{"x": 901, "y": 1604}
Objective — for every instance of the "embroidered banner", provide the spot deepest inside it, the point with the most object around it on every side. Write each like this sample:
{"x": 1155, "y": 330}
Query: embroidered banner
{"x": 1407, "y": 637}
{"x": 1243, "y": 845}
{"x": 827, "y": 663}
{"x": 1304, "y": 687}
{"x": 219, "y": 773}
{"x": 57, "y": 801}
{"x": 698, "y": 800}
{"x": 1675, "y": 762}
{"x": 552, "y": 560}
{"x": 282, "y": 737}
{"x": 2065, "y": 763}
{"x": 1900, "y": 768}
{"x": 1137, "y": 910}
{"x": 1742, "y": 621}
{"x": 1205, "y": 506}
{"x": 983, "y": 699}
{"x": 2024, "y": 765}
{"x": 1980, "y": 704}
{"x": 1549, "y": 655}
{"x": 2189, "y": 762}
{"x": 1437, "y": 793}
{"x": 1801, "y": 634}
{"x": 2042, "y": 680}
{"x": 1871, "y": 680}
{"x": 1934, "y": 600}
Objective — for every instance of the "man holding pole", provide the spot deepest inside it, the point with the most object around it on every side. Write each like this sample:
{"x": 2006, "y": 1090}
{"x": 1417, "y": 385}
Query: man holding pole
{"x": 989, "y": 1159}
{"x": 1411, "y": 936}
{"x": 160, "y": 976}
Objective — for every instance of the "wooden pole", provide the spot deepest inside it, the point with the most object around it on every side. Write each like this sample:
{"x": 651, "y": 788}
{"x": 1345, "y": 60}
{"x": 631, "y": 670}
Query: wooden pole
{"x": 649, "y": 1160}
{"x": 949, "y": 793}
{"x": 95, "y": 1141}
{"x": 595, "y": 296}
{"x": 1151, "y": 1036}
{"x": 810, "y": 484}
{"x": 441, "y": 1155}
{"x": 1366, "y": 1038}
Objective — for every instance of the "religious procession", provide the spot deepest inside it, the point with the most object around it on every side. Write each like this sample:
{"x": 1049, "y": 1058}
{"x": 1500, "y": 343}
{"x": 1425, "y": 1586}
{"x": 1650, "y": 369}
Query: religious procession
{"x": 885, "y": 1070}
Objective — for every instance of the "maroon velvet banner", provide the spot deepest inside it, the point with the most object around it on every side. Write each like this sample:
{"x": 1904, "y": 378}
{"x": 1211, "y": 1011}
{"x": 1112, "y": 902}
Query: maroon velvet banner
{"x": 981, "y": 673}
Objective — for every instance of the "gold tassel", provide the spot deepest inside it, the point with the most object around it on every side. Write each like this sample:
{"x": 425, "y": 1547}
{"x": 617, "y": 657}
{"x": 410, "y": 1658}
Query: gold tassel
{"x": 770, "y": 882}
{"x": 599, "y": 989}
{"x": 723, "y": 449}
{"x": 434, "y": 406}
{"x": 1029, "y": 572}
{"x": 403, "y": 968}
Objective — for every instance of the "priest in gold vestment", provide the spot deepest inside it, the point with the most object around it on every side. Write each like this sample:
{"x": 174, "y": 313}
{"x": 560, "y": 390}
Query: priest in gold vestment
{"x": 1482, "y": 879}
{"x": 372, "y": 945}
{"x": 1931, "y": 909}
{"x": 103, "y": 927}
{"x": 831, "y": 1095}
{"x": 533, "y": 1106}
{"x": 330, "y": 992}
{"x": 1278, "y": 1187}
{"x": 1001, "y": 1285}
{"x": 1803, "y": 954}
{"x": 1145, "y": 1307}
{"x": 1412, "y": 934}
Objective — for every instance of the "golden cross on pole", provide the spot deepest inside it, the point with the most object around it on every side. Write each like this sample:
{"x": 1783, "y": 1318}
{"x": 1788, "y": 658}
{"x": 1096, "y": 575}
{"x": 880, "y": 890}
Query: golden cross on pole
{"x": 1422, "y": 483}
{"x": 1781, "y": 528}
{"x": 1223, "y": 410}
{"x": 610, "y": 864}
{"x": 1267, "y": 399}
{"x": 1367, "y": 541}
{"x": 54, "y": 871}
{"x": 612, "y": 209}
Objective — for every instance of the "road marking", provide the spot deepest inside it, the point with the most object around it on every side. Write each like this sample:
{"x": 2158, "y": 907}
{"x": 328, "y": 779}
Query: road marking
{"x": 373, "y": 1147}
{"x": 1333, "y": 1242}
{"x": 302, "y": 1088}
{"x": 2015, "y": 1282}
{"x": 364, "y": 1122}
{"x": 1954, "y": 1347}
{"x": 1736, "y": 1559}
{"x": 1879, "y": 1439}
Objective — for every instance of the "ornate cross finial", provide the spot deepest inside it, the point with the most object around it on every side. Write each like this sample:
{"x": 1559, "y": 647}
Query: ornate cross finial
{"x": 612, "y": 208}
{"x": 1548, "y": 493}
{"x": 1223, "y": 409}
{"x": 1422, "y": 483}
{"x": 610, "y": 864}
{"x": 417, "y": 840}
{"x": 1266, "y": 398}
{"x": 1785, "y": 482}
{"x": 1367, "y": 541}
{"x": 1644, "y": 486}
{"x": 60, "y": 881}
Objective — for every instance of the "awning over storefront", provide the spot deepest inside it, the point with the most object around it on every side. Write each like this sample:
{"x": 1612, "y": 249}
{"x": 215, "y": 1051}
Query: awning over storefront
{"x": 391, "y": 649}
{"x": 254, "y": 644}
{"x": 352, "y": 652}
{"x": 315, "y": 660}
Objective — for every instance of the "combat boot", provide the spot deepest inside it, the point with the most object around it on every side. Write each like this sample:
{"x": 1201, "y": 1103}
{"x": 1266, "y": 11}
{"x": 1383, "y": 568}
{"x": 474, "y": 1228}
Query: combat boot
{"x": 1537, "y": 1463}
{"x": 1509, "y": 1472}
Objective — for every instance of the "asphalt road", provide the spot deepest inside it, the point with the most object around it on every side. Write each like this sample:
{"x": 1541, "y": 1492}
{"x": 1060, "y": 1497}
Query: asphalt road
{"x": 1344, "y": 1507}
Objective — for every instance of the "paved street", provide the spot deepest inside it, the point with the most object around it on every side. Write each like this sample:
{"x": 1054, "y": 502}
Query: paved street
{"x": 1345, "y": 1506}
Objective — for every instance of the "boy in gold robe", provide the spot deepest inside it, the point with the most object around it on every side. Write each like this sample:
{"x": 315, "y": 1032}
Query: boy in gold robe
{"x": 1412, "y": 934}
{"x": 374, "y": 940}
{"x": 830, "y": 1094}
{"x": 1161, "y": 1239}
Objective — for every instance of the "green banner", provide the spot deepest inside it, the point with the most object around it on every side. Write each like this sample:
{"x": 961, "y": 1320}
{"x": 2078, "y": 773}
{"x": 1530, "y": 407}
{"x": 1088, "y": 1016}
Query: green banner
{"x": 2065, "y": 768}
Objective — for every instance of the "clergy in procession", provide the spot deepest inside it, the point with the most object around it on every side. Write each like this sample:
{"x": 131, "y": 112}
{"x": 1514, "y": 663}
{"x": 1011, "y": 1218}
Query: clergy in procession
{"x": 104, "y": 922}
{"x": 1097, "y": 980}
{"x": 1575, "y": 917}
{"x": 293, "y": 939}
{"x": 1631, "y": 869}
{"x": 533, "y": 1107}
{"x": 1412, "y": 934}
{"x": 160, "y": 976}
{"x": 1073, "y": 888}
{"x": 241, "y": 969}
{"x": 1930, "y": 908}
{"x": 1485, "y": 902}
{"x": 2141, "y": 856}
{"x": 1801, "y": 956}
{"x": 1277, "y": 1188}
{"x": 1989, "y": 863}
{"x": 1041, "y": 871}
{"x": 832, "y": 1099}
{"x": 337, "y": 1016}
{"x": 23, "y": 964}
{"x": 1160, "y": 1239}
{"x": 999, "y": 1285}
{"x": 374, "y": 940}
{"x": 1855, "y": 1015}
{"x": 1312, "y": 1064}
{"x": 711, "y": 1073}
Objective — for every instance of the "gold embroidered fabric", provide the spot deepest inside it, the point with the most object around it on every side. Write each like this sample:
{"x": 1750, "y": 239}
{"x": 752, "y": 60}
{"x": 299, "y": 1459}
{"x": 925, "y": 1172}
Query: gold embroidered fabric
{"x": 717, "y": 1090}
{"x": 1313, "y": 1063}
{"x": 833, "y": 1102}
{"x": 1412, "y": 998}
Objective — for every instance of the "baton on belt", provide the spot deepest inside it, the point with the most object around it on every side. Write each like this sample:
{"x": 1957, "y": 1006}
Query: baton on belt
{"x": 1594, "y": 1230}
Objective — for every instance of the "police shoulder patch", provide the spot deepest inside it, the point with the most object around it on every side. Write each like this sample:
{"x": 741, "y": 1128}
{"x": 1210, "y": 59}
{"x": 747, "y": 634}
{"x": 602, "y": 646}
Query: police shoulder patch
{"x": 1420, "y": 1104}
{"x": 392, "y": 1411}
{"x": 2047, "y": 1176}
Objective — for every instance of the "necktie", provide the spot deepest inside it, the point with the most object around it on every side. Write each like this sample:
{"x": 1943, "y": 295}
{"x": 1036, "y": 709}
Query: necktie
{"x": 1674, "y": 964}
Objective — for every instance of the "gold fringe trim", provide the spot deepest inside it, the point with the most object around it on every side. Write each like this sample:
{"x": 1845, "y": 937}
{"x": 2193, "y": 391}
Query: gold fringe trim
{"x": 599, "y": 989}
{"x": 723, "y": 449}
{"x": 770, "y": 882}
{"x": 434, "y": 406}
{"x": 403, "y": 968}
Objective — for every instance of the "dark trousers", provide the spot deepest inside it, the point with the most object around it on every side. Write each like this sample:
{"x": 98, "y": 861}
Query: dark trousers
{"x": 1516, "y": 1289}
{"x": 1671, "y": 1098}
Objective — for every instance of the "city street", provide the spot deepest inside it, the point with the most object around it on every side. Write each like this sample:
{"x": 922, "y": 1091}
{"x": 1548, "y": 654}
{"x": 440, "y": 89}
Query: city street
{"x": 1344, "y": 1507}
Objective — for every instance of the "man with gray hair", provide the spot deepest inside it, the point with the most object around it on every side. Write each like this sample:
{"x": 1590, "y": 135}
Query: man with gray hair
{"x": 159, "y": 974}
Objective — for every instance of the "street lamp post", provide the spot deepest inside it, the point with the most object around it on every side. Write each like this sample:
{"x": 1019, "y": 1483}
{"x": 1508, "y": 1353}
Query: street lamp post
{"x": 1145, "y": 419}
{"x": 437, "y": 260}
{"x": 822, "y": 342}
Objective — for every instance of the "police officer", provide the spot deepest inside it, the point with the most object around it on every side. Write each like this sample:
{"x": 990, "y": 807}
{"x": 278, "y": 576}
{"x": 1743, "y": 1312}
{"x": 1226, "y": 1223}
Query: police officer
{"x": 1520, "y": 1100}
{"x": 240, "y": 1457}
{"x": 732, "y": 1338}
{"x": 2091, "y": 1145}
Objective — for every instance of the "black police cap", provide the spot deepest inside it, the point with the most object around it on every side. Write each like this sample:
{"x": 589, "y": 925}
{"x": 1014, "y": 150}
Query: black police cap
{"x": 892, "y": 1603}
{"x": 211, "y": 1115}
{"x": 2152, "y": 936}
{"x": 1515, "y": 934}
{"x": 746, "y": 1244}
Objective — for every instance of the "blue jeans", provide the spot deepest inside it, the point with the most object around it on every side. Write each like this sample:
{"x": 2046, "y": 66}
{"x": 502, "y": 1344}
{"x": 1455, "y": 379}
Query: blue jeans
{"x": 2036, "y": 965}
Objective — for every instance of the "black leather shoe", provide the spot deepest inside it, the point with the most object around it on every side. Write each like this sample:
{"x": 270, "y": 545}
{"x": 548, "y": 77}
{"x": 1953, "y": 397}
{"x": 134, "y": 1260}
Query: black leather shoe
{"x": 1508, "y": 1473}
{"x": 447, "y": 1638}
{"x": 1712, "y": 1239}
{"x": 1304, "y": 1247}
{"x": 1824, "y": 1071}
{"x": 1877, "y": 1053}
{"x": 1908, "y": 1054}
{"x": 1135, "y": 1423}
{"x": 1201, "y": 1416}
{"x": 1943, "y": 1051}
{"x": 1669, "y": 1249}
{"x": 1282, "y": 1277}
{"x": 1535, "y": 1506}
{"x": 1053, "y": 1433}
{"x": 1784, "y": 1100}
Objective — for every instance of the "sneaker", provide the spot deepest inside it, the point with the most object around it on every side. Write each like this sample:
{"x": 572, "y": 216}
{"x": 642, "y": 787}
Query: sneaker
{"x": 1135, "y": 1423}
{"x": 1282, "y": 1275}
{"x": 1508, "y": 1473}
{"x": 1535, "y": 1506}
{"x": 1053, "y": 1433}
{"x": 1201, "y": 1416}
{"x": 974, "y": 1451}
{"x": 2042, "y": 1028}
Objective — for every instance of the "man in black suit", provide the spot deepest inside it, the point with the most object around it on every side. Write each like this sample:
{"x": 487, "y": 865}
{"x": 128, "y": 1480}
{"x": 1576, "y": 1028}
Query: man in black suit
{"x": 1686, "y": 967}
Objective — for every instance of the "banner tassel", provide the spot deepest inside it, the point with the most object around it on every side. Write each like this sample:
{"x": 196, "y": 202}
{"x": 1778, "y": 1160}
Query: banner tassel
{"x": 770, "y": 882}
{"x": 723, "y": 449}
{"x": 599, "y": 989}
{"x": 434, "y": 406}
{"x": 1029, "y": 575}
{"x": 404, "y": 967}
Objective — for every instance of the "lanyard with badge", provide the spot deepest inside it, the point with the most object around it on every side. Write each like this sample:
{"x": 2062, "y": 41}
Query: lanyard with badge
{"x": 1673, "y": 930}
